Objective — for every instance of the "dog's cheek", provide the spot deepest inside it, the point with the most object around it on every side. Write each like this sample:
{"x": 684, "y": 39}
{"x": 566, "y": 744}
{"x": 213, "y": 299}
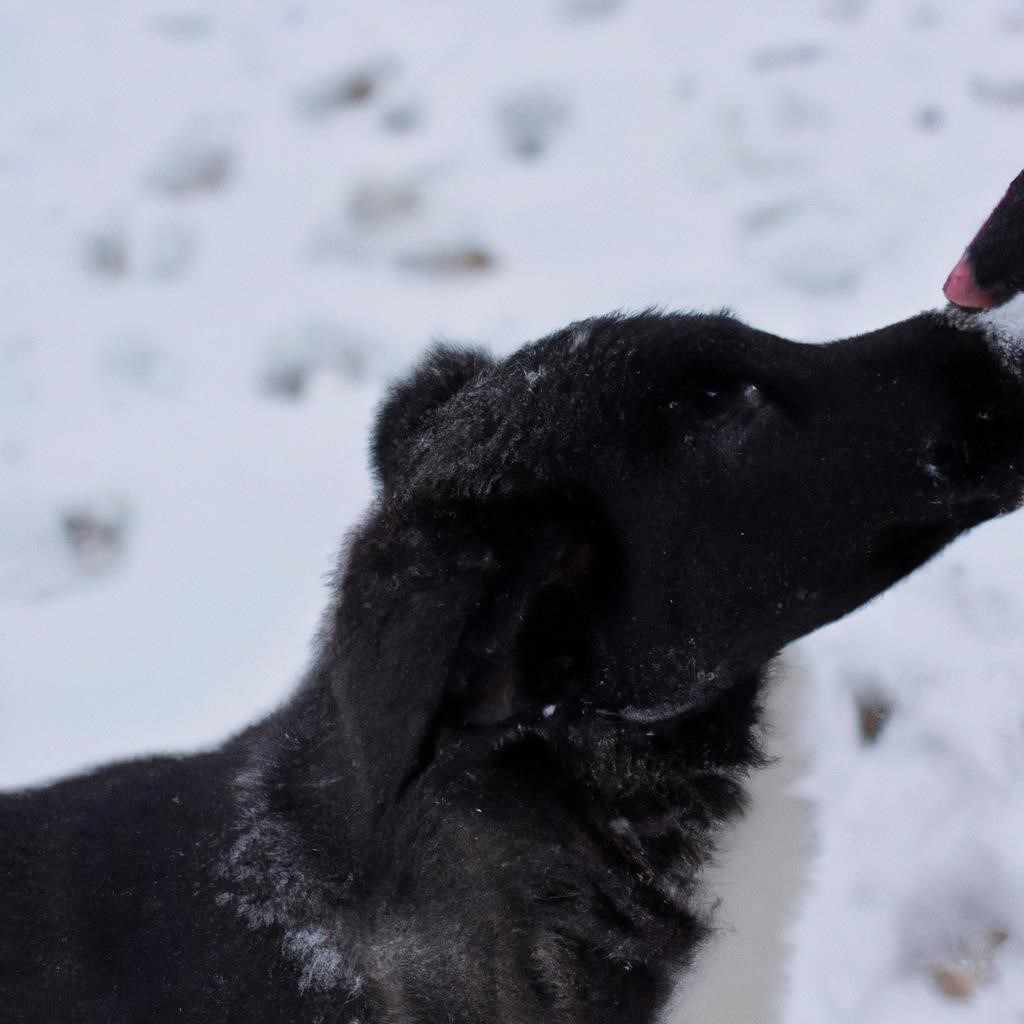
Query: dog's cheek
{"x": 494, "y": 698}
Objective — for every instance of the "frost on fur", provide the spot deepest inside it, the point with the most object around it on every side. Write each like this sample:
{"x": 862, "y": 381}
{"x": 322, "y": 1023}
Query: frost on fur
{"x": 275, "y": 886}
{"x": 1003, "y": 326}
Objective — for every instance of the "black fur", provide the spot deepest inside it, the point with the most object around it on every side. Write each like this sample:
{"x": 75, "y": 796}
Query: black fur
{"x": 536, "y": 693}
{"x": 994, "y": 255}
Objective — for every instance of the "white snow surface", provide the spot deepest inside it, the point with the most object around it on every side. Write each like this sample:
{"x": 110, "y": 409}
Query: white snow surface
{"x": 224, "y": 225}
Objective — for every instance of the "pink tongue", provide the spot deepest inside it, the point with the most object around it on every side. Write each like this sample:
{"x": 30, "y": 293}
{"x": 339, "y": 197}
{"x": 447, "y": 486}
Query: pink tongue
{"x": 961, "y": 288}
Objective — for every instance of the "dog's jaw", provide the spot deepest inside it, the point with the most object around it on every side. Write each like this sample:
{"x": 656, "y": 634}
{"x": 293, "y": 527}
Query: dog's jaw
{"x": 1003, "y": 327}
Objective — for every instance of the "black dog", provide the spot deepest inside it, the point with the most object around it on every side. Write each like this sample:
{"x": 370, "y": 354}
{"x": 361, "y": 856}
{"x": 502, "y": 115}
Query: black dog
{"x": 536, "y": 693}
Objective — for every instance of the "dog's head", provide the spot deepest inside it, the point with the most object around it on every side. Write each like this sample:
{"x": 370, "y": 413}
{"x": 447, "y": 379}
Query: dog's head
{"x": 626, "y": 518}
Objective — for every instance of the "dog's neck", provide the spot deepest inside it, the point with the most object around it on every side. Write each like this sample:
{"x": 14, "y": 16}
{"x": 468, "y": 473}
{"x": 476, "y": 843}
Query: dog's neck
{"x": 286, "y": 864}
{"x": 327, "y": 820}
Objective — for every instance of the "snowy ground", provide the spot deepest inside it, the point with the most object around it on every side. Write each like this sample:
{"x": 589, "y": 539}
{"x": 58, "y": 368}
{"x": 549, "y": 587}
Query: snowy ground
{"x": 223, "y": 225}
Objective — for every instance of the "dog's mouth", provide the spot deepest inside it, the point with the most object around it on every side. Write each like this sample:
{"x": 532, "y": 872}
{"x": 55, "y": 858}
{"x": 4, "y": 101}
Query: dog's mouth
{"x": 655, "y": 714}
{"x": 902, "y": 548}
{"x": 658, "y": 717}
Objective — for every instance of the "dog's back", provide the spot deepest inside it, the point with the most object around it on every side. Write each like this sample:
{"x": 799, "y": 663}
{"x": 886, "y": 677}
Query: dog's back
{"x": 108, "y": 884}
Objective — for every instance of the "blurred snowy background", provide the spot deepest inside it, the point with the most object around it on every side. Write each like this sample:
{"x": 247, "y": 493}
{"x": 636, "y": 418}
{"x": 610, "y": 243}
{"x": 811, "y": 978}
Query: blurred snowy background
{"x": 224, "y": 225}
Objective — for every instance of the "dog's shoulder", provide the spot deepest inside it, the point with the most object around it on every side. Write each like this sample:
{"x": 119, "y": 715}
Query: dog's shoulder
{"x": 105, "y": 867}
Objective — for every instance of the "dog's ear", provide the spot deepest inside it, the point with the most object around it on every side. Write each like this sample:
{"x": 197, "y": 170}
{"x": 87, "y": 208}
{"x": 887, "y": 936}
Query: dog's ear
{"x": 460, "y": 619}
{"x": 412, "y": 401}
{"x": 529, "y": 645}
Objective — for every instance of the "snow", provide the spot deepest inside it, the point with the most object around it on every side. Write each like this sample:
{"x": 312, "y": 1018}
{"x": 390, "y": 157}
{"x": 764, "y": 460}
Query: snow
{"x": 225, "y": 225}
{"x": 920, "y": 868}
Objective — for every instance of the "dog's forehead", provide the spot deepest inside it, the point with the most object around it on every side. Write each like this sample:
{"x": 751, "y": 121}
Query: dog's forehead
{"x": 650, "y": 342}
{"x": 566, "y": 402}
{"x": 591, "y": 371}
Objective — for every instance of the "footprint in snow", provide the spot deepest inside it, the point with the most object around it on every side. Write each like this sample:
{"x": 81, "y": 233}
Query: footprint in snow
{"x": 531, "y": 121}
{"x": 1007, "y": 93}
{"x": 294, "y": 358}
{"x": 783, "y": 58}
{"x": 337, "y": 92}
{"x": 48, "y": 547}
{"x": 586, "y": 10}
{"x": 202, "y": 158}
{"x": 161, "y": 252}
{"x": 134, "y": 364}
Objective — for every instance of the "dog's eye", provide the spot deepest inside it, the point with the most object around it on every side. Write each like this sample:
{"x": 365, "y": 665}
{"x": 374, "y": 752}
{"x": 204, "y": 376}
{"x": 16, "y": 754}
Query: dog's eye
{"x": 715, "y": 399}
